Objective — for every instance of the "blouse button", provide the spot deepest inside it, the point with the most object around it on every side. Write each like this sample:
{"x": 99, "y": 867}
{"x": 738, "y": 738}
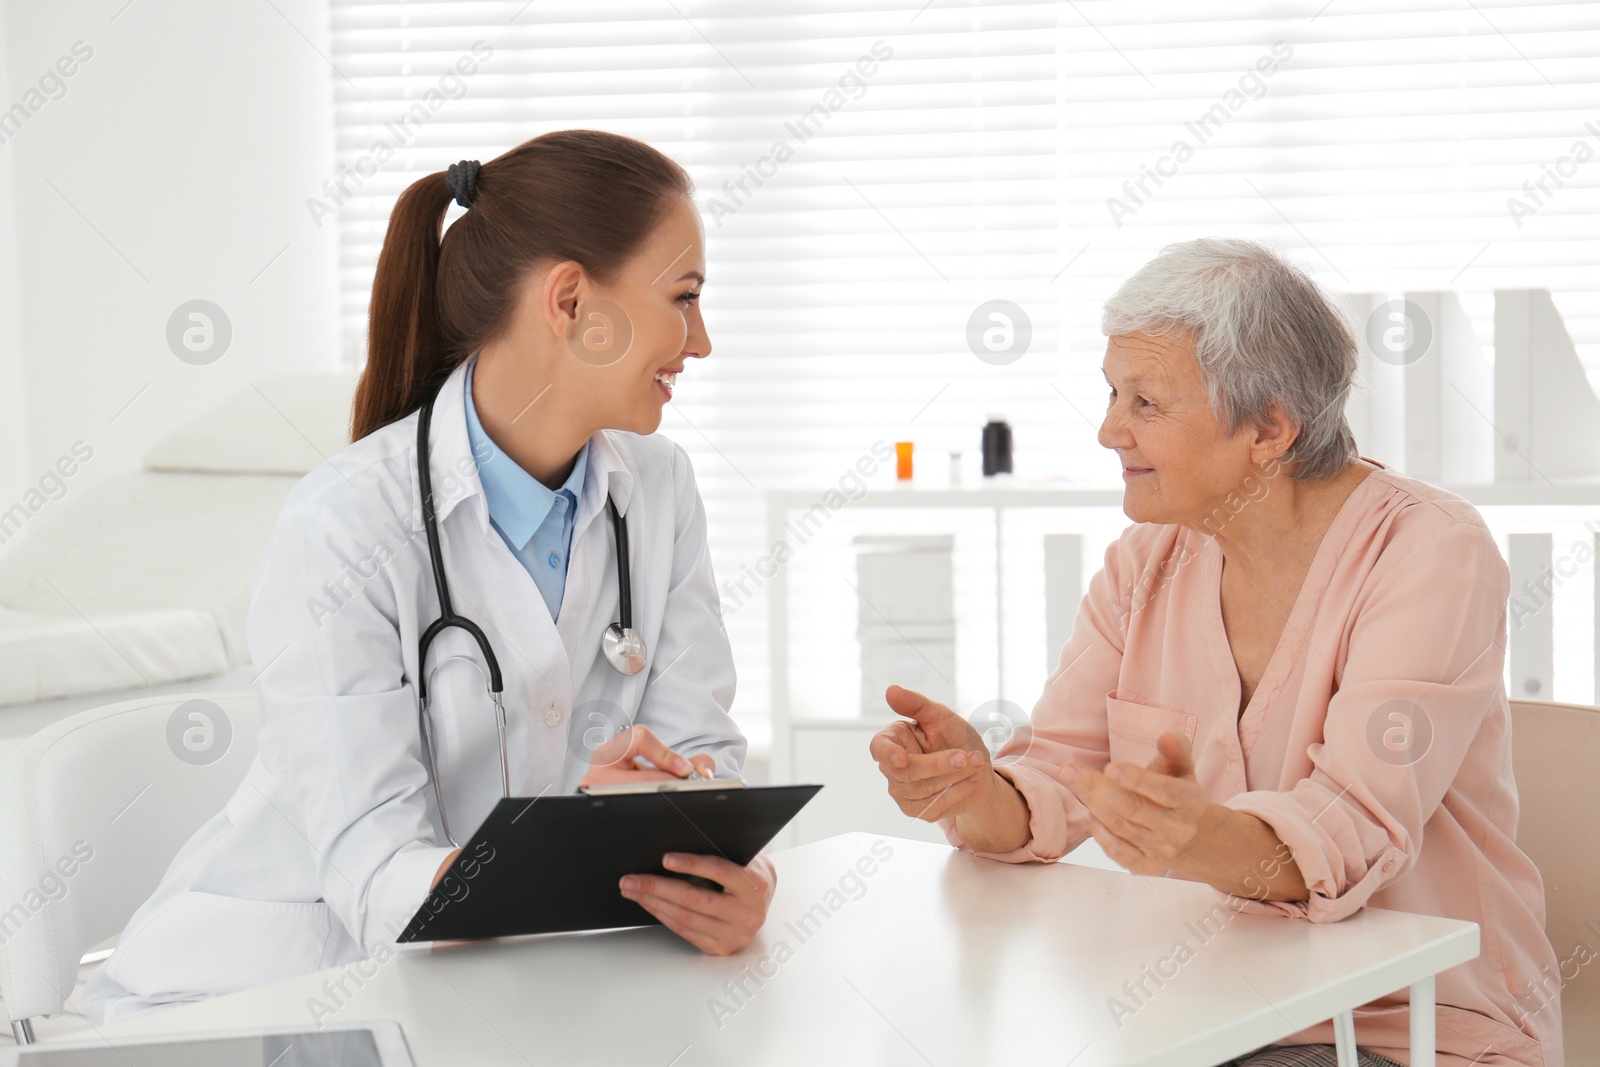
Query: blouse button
{"x": 552, "y": 716}
{"x": 555, "y": 560}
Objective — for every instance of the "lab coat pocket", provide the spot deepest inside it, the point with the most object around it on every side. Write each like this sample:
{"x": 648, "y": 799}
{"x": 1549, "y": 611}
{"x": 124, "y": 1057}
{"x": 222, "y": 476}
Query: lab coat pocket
{"x": 1133, "y": 728}
{"x": 207, "y": 943}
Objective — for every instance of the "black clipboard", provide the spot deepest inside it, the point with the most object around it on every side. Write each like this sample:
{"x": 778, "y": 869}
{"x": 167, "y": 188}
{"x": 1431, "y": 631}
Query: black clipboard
{"x": 542, "y": 865}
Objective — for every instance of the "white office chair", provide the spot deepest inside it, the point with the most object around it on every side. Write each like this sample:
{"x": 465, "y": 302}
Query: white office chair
{"x": 1555, "y": 749}
{"x": 92, "y": 810}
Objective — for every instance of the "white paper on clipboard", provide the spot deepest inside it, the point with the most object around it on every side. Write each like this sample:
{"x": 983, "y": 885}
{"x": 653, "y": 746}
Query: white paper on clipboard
{"x": 662, "y": 785}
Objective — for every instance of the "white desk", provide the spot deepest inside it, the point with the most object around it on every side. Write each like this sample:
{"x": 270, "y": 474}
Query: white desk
{"x": 941, "y": 958}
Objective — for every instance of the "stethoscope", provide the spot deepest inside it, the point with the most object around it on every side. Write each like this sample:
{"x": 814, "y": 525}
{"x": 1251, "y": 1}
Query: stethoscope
{"x": 623, "y": 647}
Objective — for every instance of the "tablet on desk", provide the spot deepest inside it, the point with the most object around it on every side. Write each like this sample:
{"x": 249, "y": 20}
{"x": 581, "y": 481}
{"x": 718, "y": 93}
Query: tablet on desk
{"x": 368, "y": 1044}
{"x": 542, "y": 865}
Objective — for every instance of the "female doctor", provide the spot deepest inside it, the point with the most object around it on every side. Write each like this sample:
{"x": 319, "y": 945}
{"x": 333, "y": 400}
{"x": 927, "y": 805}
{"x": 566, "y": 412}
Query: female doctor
{"x": 541, "y": 338}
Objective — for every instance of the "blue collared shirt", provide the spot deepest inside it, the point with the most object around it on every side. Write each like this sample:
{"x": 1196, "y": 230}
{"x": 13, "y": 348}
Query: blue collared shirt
{"x": 534, "y": 521}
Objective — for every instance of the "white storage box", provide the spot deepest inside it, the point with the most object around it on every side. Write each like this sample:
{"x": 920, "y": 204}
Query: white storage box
{"x": 905, "y": 578}
{"x": 905, "y": 616}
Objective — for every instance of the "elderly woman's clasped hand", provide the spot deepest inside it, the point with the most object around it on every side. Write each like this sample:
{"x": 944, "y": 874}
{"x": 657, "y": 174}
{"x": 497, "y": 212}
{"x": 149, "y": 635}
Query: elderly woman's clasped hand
{"x": 1156, "y": 820}
{"x": 1150, "y": 819}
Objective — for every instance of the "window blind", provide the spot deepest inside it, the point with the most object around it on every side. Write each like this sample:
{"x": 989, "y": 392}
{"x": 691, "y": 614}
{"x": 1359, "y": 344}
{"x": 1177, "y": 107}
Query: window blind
{"x": 934, "y": 239}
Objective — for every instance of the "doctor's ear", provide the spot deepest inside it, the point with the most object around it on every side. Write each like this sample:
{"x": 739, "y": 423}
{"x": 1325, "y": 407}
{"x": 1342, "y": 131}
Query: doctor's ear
{"x": 560, "y": 288}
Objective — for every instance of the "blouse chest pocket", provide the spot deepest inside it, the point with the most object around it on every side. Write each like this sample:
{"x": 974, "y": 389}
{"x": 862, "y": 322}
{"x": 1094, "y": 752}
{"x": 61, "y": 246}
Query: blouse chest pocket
{"x": 1133, "y": 728}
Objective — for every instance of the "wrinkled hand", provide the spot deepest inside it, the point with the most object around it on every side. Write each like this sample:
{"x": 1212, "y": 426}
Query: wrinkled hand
{"x": 614, "y": 760}
{"x": 936, "y": 764}
{"x": 717, "y": 923}
{"x": 1150, "y": 819}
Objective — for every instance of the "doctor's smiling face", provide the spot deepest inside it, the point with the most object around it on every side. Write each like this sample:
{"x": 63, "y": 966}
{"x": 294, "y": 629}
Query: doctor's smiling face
{"x": 582, "y": 353}
{"x": 631, "y": 338}
{"x": 571, "y": 276}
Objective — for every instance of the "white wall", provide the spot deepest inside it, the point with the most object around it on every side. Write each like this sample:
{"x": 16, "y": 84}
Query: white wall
{"x": 13, "y": 432}
{"x": 175, "y": 166}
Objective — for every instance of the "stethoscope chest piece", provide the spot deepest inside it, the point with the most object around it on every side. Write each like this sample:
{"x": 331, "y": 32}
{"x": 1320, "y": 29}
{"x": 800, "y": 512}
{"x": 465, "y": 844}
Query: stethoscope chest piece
{"x": 624, "y": 648}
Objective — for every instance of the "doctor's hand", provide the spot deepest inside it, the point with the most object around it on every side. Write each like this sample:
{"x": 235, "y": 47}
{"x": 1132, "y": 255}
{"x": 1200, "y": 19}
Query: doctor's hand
{"x": 718, "y": 923}
{"x": 937, "y": 766}
{"x": 614, "y": 761}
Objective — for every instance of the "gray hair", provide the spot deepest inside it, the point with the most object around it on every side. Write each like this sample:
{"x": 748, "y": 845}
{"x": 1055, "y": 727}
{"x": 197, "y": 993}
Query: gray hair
{"x": 1265, "y": 335}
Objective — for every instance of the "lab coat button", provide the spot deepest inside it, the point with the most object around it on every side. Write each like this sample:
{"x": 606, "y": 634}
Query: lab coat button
{"x": 552, "y": 716}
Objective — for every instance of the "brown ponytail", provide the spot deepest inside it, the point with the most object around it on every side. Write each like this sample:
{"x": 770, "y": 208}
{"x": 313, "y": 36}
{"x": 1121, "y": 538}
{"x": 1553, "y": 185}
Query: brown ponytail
{"x": 581, "y": 195}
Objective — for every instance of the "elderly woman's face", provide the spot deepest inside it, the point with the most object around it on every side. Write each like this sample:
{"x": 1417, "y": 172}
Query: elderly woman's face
{"x": 1177, "y": 461}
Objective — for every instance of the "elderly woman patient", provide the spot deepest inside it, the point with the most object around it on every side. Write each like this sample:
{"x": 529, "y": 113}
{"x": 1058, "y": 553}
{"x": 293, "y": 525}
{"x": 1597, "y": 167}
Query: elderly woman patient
{"x": 1286, "y": 680}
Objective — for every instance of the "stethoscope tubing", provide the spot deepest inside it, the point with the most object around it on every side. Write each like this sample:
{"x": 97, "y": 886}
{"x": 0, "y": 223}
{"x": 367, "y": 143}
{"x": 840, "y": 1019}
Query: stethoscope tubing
{"x": 448, "y": 618}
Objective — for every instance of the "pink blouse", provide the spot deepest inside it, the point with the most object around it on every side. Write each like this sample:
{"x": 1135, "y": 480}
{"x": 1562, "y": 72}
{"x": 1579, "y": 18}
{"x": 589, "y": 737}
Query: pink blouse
{"x": 1380, "y": 723}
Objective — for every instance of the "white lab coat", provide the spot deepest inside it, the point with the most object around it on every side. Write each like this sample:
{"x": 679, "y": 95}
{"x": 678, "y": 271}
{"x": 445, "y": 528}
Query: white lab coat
{"x": 333, "y": 839}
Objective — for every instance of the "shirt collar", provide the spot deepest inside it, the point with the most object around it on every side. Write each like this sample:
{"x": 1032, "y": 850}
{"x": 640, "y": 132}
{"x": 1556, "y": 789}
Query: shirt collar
{"x": 518, "y": 502}
{"x": 611, "y": 470}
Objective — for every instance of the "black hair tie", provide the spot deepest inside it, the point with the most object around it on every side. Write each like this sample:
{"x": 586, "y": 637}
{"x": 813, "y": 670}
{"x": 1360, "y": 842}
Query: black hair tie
{"x": 462, "y": 181}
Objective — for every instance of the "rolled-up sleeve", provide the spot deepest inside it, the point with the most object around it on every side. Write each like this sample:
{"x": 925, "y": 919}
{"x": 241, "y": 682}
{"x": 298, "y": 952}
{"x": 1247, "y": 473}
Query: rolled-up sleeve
{"x": 339, "y": 724}
{"x": 1067, "y": 725}
{"x": 1423, "y": 670}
